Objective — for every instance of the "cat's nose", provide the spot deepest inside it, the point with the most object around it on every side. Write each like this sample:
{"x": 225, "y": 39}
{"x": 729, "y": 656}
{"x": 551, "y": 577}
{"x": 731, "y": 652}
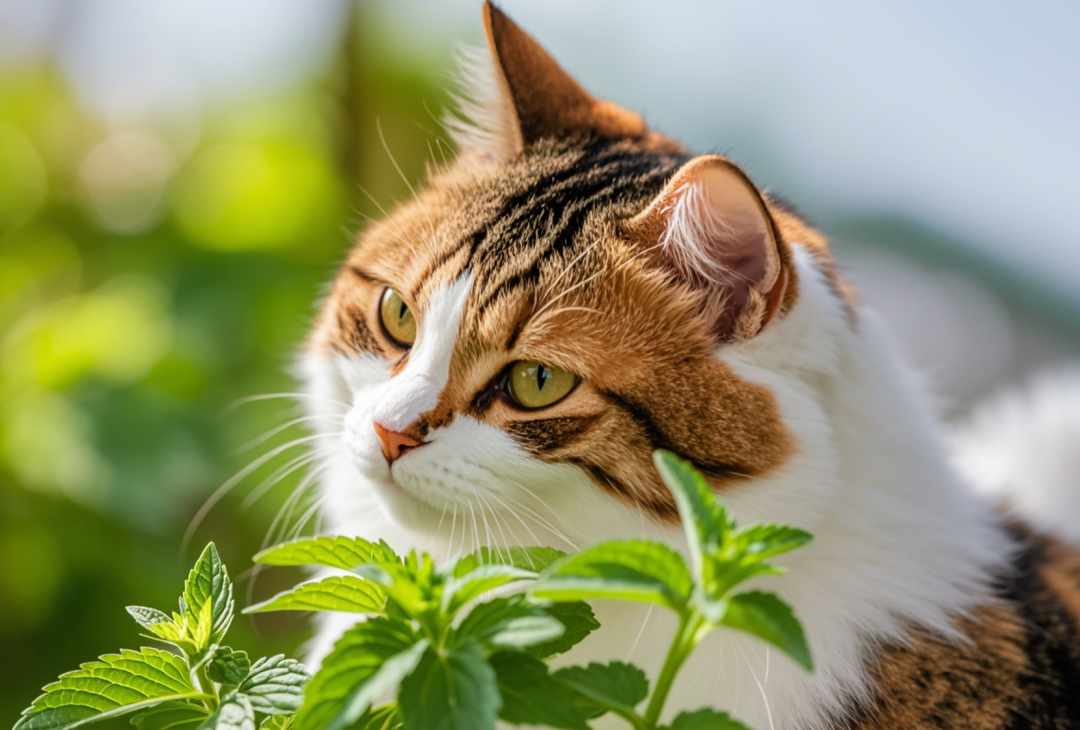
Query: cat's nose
{"x": 394, "y": 443}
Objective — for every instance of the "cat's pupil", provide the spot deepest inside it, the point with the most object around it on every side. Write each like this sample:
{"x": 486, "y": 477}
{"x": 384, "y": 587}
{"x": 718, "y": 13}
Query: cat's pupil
{"x": 541, "y": 377}
{"x": 404, "y": 310}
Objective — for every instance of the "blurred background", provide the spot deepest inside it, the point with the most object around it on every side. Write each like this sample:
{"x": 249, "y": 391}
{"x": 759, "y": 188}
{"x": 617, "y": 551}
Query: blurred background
{"x": 179, "y": 179}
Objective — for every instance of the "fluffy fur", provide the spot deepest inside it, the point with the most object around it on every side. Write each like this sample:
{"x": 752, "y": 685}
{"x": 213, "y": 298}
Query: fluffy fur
{"x": 713, "y": 324}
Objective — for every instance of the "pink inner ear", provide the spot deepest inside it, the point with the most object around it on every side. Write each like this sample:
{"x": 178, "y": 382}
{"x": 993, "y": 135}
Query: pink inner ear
{"x": 717, "y": 233}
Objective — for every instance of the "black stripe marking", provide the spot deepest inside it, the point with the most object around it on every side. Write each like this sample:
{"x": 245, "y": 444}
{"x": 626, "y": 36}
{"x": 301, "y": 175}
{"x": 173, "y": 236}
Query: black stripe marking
{"x": 659, "y": 440}
{"x": 547, "y": 434}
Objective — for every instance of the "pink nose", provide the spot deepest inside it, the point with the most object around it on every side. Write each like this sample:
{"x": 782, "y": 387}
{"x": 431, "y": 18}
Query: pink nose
{"x": 394, "y": 444}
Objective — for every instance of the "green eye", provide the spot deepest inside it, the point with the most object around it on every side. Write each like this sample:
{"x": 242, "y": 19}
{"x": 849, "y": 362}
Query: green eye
{"x": 534, "y": 385}
{"x": 397, "y": 319}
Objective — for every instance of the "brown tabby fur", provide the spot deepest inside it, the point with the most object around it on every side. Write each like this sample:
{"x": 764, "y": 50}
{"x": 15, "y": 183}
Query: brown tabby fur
{"x": 561, "y": 277}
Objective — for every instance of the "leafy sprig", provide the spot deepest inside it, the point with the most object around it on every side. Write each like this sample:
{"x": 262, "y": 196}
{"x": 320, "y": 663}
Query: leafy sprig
{"x": 203, "y": 685}
{"x": 457, "y": 646}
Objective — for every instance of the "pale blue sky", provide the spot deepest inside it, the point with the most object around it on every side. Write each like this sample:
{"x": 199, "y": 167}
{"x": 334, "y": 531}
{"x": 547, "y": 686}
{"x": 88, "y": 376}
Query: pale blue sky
{"x": 961, "y": 114}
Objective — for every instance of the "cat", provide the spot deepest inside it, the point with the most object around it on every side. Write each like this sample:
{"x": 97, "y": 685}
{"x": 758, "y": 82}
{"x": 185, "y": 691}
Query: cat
{"x": 504, "y": 351}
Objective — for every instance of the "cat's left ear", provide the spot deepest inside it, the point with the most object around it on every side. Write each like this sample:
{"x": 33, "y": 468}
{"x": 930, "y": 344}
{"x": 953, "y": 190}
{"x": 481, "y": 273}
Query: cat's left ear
{"x": 710, "y": 226}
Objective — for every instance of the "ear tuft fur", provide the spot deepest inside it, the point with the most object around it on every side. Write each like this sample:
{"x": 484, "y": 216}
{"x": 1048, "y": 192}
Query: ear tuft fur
{"x": 711, "y": 227}
{"x": 482, "y": 119}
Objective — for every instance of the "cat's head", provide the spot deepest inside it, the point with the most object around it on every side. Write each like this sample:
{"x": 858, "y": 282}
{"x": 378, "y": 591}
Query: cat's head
{"x": 573, "y": 292}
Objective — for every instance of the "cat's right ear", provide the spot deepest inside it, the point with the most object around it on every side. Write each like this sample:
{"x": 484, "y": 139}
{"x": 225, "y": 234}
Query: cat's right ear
{"x": 710, "y": 227}
{"x": 521, "y": 95}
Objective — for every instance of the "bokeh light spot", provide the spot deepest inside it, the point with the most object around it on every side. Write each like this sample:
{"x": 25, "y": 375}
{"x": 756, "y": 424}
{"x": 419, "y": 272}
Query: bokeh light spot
{"x": 237, "y": 197}
{"x": 23, "y": 181}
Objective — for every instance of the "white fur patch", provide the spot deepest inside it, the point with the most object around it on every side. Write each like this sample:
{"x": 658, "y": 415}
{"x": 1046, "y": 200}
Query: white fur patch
{"x": 416, "y": 389}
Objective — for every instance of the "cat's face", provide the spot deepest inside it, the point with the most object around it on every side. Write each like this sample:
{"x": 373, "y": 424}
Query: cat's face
{"x": 548, "y": 311}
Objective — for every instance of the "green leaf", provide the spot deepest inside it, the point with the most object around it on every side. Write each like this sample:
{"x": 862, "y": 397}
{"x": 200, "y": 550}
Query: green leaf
{"x": 366, "y": 662}
{"x": 333, "y": 552}
{"x": 509, "y": 623}
{"x": 535, "y": 559}
{"x": 229, "y": 667}
{"x": 385, "y": 717}
{"x": 148, "y": 617}
{"x": 578, "y": 622}
{"x": 171, "y": 716}
{"x": 630, "y": 570}
{"x": 234, "y": 713}
{"x": 460, "y": 591}
{"x": 275, "y": 685}
{"x": 767, "y": 617}
{"x": 337, "y": 593}
{"x": 451, "y": 690}
{"x": 761, "y": 542}
{"x": 277, "y": 722}
{"x": 208, "y": 584}
{"x": 616, "y": 686}
{"x": 705, "y": 719}
{"x": 413, "y": 584}
{"x": 114, "y": 685}
{"x": 531, "y": 696}
{"x": 705, "y": 520}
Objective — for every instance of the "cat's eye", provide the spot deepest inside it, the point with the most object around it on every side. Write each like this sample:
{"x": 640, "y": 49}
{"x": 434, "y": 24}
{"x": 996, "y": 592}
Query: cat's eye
{"x": 397, "y": 319}
{"x": 535, "y": 385}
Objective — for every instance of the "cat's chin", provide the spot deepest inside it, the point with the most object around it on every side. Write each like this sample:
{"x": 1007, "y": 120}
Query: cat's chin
{"x": 399, "y": 498}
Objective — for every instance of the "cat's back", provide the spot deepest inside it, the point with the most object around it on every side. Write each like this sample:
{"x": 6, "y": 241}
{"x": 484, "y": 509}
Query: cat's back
{"x": 1020, "y": 667}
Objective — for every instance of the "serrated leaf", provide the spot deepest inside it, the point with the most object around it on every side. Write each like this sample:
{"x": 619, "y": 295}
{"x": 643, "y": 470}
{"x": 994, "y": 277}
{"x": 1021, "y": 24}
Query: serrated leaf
{"x": 705, "y": 520}
{"x": 148, "y": 617}
{"x": 114, "y": 685}
{"x": 338, "y": 593}
{"x": 534, "y": 559}
{"x": 767, "y": 617}
{"x": 508, "y": 623}
{"x": 333, "y": 552}
{"x": 229, "y": 667}
{"x": 460, "y": 591}
{"x": 275, "y": 685}
{"x": 704, "y": 719}
{"x": 234, "y": 713}
{"x": 452, "y": 689}
{"x": 171, "y": 716}
{"x": 208, "y": 584}
{"x": 630, "y": 570}
{"x": 367, "y": 661}
{"x": 277, "y": 722}
{"x": 578, "y": 622}
{"x": 531, "y": 696}
{"x": 413, "y": 585}
{"x": 617, "y": 686}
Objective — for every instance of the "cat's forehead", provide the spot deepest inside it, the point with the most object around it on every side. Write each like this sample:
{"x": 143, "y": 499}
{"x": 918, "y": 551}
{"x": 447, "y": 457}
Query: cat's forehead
{"x": 524, "y": 233}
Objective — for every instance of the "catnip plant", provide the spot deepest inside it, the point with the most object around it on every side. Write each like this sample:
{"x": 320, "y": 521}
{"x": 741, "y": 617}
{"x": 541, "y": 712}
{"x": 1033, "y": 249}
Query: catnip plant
{"x": 457, "y": 646}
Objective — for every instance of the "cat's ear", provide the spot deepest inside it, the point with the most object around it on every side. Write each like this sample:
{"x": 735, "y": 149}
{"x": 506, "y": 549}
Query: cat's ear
{"x": 710, "y": 227}
{"x": 529, "y": 97}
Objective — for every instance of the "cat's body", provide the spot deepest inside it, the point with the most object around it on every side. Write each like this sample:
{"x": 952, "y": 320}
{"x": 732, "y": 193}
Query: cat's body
{"x": 684, "y": 310}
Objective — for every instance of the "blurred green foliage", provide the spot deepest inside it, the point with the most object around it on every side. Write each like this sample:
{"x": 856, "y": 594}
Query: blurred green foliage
{"x": 146, "y": 284}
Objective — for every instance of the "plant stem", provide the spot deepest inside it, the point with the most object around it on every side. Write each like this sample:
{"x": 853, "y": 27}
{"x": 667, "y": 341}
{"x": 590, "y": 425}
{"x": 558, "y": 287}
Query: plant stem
{"x": 207, "y": 687}
{"x": 686, "y": 639}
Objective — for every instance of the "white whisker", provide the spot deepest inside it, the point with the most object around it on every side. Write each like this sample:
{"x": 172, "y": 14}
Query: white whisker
{"x": 275, "y": 431}
{"x": 272, "y": 396}
{"x": 225, "y": 488}
{"x": 760, "y": 686}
